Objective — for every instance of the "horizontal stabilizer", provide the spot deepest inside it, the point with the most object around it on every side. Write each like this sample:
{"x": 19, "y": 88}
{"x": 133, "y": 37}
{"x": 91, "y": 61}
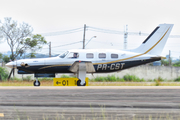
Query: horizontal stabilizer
{"x": 158, "y": 58}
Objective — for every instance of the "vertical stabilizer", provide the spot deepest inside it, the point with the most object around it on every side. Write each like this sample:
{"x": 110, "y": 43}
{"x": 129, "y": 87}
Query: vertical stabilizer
{"x": 156, "y": 41}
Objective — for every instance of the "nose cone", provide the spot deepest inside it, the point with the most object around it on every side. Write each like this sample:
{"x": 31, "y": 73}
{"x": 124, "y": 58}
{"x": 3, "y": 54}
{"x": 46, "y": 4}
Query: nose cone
{"x": 11, "y": 64}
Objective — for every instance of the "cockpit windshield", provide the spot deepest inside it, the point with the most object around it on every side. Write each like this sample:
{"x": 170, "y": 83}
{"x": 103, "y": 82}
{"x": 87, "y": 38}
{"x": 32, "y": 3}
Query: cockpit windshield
{"x": 64, "y": 54}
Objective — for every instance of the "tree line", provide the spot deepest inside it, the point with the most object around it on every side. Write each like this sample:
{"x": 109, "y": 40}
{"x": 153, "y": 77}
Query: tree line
{"x": 20, "y": 39}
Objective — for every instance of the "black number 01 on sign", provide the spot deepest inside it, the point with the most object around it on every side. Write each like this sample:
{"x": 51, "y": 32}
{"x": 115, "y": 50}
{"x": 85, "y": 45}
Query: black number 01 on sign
{"x": 67, "y": 81}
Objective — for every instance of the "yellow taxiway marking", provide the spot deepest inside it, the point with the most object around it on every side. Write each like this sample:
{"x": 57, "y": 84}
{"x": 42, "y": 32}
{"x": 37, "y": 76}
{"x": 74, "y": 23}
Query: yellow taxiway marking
{"x": 1, "y": 114}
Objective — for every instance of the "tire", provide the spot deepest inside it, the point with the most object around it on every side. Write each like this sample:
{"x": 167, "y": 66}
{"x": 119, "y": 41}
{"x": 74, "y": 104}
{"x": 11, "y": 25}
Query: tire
{"x": 79, "y": 83}
{"x": 37, "y": 84}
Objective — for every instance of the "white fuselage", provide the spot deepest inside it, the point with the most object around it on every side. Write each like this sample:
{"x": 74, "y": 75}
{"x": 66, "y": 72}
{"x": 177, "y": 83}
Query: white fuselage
{"x": 104, "y": 60}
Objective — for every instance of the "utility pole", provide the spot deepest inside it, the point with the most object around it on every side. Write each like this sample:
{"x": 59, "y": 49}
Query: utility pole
{"x": 169, "y": 57}
{"x": 125, "y": 36}
{"x": 84, "y": 36}
{"x": 49, "y": 49}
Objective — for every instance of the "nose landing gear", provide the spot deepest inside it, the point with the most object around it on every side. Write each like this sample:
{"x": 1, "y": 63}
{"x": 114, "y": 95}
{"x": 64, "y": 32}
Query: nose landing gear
{"x": 37, "y": 83}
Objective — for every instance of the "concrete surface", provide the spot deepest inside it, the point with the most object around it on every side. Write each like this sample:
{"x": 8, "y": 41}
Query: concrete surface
{"x": 147, "y": 72}
{"x": 76, "y": 103}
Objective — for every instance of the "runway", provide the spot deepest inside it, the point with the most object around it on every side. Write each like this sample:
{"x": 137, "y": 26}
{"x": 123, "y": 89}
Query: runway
{"x": 76, "y": 103}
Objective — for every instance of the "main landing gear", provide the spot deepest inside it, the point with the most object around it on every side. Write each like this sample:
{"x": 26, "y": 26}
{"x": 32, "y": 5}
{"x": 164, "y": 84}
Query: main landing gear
{"x": 81, "y": 74}
{"x": 36, "y": 82}
{"x": 79, "y": 83}
{"x": 81, "y": 68}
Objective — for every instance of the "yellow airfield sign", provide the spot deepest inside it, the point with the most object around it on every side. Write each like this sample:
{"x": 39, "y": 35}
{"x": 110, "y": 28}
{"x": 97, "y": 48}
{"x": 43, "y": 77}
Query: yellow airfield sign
{"x": 67, "y": 81}
{"x": 1, "y": 114}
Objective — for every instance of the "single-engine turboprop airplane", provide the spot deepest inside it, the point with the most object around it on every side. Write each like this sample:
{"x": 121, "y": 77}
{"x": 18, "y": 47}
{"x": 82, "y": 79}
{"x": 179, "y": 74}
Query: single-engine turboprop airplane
{"x": 82, "y": 61}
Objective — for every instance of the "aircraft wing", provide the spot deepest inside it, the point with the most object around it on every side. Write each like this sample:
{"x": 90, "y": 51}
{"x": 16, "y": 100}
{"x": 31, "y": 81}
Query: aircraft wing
{"x": 82, "y": 65}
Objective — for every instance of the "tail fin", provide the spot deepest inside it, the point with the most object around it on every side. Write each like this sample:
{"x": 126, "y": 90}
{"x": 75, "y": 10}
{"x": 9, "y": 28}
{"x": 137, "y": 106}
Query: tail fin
{"x": 156, "y": 41}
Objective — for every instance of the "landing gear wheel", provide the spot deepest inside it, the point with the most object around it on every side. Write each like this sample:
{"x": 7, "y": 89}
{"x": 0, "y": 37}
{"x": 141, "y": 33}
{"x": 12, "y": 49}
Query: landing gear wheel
{"x": 79, "y": 83}
{"x": 37, "y": 83}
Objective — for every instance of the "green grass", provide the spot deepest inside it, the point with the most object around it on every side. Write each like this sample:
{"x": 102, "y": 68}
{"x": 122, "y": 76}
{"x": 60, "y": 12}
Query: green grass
{"x": 158, "y": 81}
{"x": 132, "y": 78}
{"x": 27, "y": 78}
{"x": 109, "y": 78}
{"x": 177, "y": 79}
{"x": 113, "y": 78}
{"x": 67, "y": 76}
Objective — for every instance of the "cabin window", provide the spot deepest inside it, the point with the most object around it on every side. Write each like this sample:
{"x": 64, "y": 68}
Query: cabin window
{"x": 64, "y": 54}
{"x": 89, "y": 55}
{"x": 73, "y": 55}
{"x": 102, "y": 55}
{"x": 114, "y": 55}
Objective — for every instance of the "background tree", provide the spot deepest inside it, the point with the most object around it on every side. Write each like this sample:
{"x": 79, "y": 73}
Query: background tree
{"x": 19, "y": 37}
{"x": 31, "y": 55}
{"x": 35, "y": 43}
{"x": 1, "y": 56}
{"x": 3, "y": 73}
{"x": 176, "y": 64}
{"x": 6, "y": 59}
{"x": 165, "y": 62}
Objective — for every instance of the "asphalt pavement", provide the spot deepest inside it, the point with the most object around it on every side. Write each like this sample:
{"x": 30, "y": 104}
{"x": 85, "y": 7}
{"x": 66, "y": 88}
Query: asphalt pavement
{"x": 82, "y": 103}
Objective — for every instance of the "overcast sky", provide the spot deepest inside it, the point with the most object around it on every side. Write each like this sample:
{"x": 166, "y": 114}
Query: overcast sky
{"x": 57, "y": 15}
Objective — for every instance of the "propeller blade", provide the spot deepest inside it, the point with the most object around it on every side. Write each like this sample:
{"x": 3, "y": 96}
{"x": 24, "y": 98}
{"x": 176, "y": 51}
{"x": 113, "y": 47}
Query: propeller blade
{"x": 13, "y": 72}
{"x": 10, "y": 74}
